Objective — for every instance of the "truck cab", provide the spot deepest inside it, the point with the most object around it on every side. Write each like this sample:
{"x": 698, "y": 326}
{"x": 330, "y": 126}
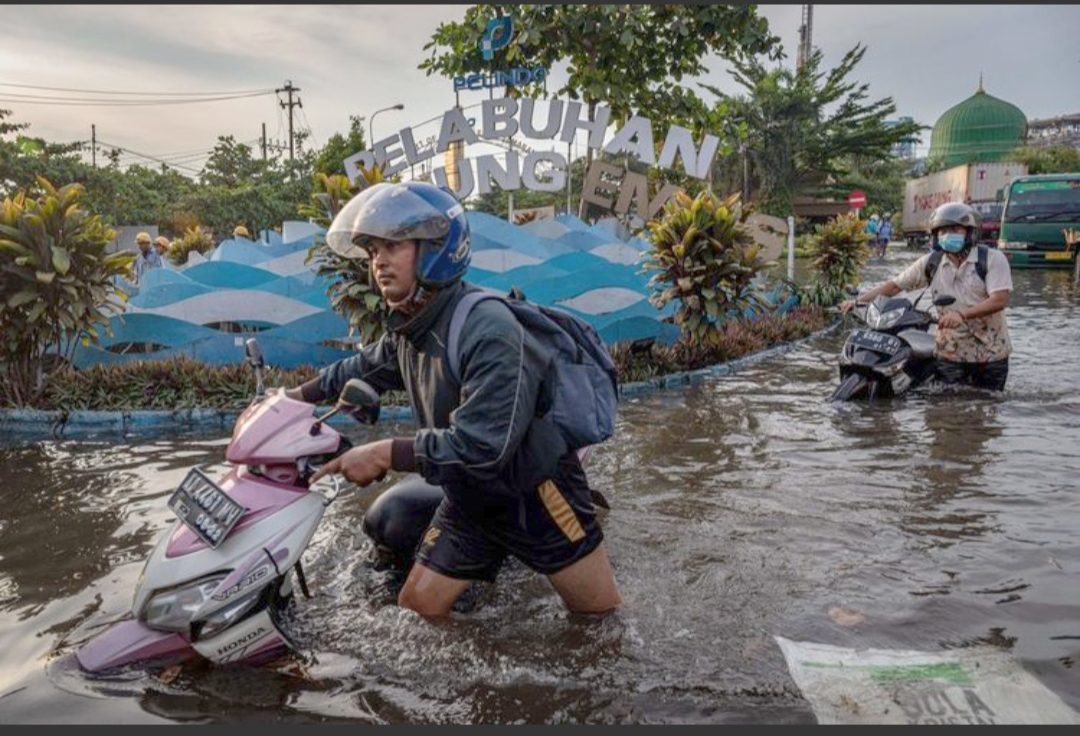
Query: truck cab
{"x": 1039, "y": 211}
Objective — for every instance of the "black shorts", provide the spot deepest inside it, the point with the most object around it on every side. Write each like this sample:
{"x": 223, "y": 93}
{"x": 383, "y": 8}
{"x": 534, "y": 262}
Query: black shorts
{"x": 990, "y": 375}
{"x": 553, "y": 527}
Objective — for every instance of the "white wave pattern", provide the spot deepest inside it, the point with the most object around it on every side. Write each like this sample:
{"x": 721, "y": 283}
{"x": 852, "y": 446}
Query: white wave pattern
{"x": 603, "y": 300}
{"x": 234, "y": 305}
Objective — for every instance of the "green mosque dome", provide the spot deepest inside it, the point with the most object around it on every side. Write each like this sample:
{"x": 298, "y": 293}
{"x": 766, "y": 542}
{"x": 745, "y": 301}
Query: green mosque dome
{"x": 981, "y": 129}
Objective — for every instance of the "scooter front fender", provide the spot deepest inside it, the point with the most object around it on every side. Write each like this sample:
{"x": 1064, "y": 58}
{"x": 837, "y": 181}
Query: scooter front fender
{"x": 853, "y": 386}
{"x": 130, "y": 641}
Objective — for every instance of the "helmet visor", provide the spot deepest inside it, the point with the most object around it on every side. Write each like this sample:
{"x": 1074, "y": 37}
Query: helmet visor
{"x": 386, "y": 212}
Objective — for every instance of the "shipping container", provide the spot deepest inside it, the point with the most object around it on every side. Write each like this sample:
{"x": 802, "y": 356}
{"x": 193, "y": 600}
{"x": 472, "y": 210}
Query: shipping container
{"x": 976, "y": 184}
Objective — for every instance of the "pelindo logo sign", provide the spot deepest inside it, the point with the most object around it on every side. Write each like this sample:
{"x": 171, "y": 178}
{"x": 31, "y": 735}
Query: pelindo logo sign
{"x": 496, "y": 37}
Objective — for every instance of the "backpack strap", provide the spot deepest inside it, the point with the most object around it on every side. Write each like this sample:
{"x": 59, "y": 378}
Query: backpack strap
{"x": 932, "y": 264}
{"x": 980, "y": 261}
{"x": 457, "y": 321}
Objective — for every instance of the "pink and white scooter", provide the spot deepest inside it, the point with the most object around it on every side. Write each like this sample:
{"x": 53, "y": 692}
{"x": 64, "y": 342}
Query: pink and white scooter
{"x": 218, "y": 579}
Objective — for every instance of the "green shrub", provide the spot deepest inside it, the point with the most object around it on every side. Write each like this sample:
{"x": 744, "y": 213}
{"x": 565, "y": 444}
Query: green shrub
{"x": 352, "y": 295}
{"x": 194, "y": 239}
{"x": 706, "y": 260}
{"x": 183, "y": 383}
{"x": 57, "y": 282}
{"x": 177, "y": 383}
{"x": 737, "y": 338}
{"x": 838, "y": 251}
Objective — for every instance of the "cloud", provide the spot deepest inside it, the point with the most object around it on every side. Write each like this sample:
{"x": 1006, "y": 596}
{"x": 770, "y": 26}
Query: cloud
{"x": 355, "y": 59}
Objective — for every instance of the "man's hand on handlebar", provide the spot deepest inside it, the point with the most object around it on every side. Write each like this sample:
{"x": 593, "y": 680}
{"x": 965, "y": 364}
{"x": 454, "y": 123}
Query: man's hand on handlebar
{"x": 362, "y": 465}
{"x": 846, "y": 306}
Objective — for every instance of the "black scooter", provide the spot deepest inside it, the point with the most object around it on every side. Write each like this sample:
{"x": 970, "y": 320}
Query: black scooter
{"x": 892, "y": 354}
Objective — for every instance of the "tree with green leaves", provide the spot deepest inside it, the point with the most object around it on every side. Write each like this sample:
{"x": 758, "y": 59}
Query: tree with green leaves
{"x": 24, "y": 158}
{"x": 331, "y": 158}
{"x": 800, "y": 132}
{"x": 1047, "y": 160}
{"x": 232, "y": 164}
{"x": 630, "y": 58}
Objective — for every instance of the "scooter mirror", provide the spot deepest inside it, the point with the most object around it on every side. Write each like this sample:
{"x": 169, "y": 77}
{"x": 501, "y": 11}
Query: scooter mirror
{"x": 944, "y": 300}
{"x": 254, "y": 352}
{"x": 360, "y": 400}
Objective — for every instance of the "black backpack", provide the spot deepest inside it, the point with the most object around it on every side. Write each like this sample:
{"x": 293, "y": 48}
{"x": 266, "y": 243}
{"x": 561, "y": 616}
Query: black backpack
{"x": 937, "y": 254}
{"x": 585, "y": 378}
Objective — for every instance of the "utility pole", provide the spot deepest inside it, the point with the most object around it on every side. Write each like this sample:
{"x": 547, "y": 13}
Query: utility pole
{"x": 93, "y": 145}
{"x": 288, "y": 88}
{"x": 806, "y": 32}
{"x": 263, "y": 141}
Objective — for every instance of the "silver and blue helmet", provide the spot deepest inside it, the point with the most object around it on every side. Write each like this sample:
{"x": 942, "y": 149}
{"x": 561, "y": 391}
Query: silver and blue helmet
{"x": 429, "y": 214}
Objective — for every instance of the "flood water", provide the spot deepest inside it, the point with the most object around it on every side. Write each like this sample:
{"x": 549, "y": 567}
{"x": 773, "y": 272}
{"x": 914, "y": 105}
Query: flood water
{"x": 744, "y": 507}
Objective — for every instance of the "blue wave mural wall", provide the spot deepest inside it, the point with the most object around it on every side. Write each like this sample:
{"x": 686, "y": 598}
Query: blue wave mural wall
{"x": 266, "y": 287}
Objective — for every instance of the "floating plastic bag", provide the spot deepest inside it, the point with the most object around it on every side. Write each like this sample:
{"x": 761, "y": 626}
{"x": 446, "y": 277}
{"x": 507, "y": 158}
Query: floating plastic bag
{"x": 974, "y": 685}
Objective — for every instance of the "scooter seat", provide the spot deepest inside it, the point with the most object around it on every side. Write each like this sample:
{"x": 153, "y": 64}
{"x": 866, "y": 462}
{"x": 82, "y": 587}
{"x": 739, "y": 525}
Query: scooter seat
{"x": 922, "y": 343}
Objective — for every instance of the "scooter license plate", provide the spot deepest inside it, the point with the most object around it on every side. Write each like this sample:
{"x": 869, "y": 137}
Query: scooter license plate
{"x": 877, "y": 341}
{"x": 205, "y": 508}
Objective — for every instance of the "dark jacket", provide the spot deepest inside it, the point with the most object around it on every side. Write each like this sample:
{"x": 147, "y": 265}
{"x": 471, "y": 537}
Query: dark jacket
{"x": 483, "y": 439}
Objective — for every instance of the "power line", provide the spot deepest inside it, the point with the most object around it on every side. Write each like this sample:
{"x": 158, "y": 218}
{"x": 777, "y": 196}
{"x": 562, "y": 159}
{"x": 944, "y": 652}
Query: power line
{"x": 88, "y": 102}
{"x": 159, "y": 94}
{"x": 106, "y": 144}
{"x": 307, "y": 125}
{"x": 177, "y": 161}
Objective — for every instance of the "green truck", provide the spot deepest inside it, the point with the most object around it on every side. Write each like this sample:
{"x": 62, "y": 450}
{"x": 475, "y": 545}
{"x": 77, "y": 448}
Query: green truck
{"x": 1041, "y": 216}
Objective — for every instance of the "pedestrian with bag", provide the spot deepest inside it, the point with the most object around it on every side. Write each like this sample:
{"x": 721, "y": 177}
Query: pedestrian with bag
{"x": 486, "y": 432}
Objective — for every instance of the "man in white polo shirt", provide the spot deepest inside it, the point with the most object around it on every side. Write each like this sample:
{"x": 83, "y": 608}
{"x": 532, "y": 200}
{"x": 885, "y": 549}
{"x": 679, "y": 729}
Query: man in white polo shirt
{"x": 972, "y": 337}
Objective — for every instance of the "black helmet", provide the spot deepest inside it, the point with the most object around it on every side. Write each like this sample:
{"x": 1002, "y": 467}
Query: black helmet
{"x": 955, "y": 213}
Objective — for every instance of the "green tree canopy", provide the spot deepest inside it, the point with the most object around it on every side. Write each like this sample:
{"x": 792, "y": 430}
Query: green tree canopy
{"x": 331, "y": 159}
{"x": 804, "y": 132}
{"x": 629, "y": 57}
{"x": 1049, "y": 160}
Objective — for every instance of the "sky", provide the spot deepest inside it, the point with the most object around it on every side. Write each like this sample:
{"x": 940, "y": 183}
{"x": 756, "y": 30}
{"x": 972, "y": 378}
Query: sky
{"x": 57, "y": 62}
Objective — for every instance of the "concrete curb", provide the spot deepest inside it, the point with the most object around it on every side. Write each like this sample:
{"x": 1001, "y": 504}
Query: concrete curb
{"x": 83, "y": 422}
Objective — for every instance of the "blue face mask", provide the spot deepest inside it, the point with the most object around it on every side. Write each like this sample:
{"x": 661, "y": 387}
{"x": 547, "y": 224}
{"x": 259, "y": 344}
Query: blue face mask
{"x": 951, "y": 242}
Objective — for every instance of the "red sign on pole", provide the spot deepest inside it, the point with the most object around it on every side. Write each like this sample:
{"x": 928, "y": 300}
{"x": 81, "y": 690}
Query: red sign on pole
{"x": 857, "y": 199}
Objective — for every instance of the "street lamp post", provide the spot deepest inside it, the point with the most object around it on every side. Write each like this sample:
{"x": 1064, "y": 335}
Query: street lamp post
{"x": 371, "y": 121}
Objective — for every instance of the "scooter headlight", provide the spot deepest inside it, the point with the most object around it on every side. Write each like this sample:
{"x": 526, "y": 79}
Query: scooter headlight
{"x": 223, "y": 618}
{"x": 171, "y": 610}
{"x": 882, "y": 320}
